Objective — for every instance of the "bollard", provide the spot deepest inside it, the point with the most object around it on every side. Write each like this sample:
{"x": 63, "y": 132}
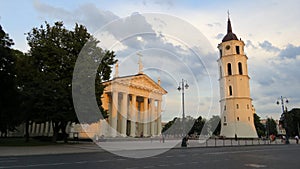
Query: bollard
{"x": 215, "y": 142}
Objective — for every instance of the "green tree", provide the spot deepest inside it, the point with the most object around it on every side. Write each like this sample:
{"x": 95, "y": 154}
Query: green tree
{"x": 9, "y": 101}
{"x": 54, "y": 51}
{"x": 271, "y": 126}
{"x": 175, "y": 127}
{"x": 27, "y": 79}
{"x": 169, "y": 125}
{"x": 198, "y": 125}
{"x": 260, "y": 128}
{"x": 293, "y": 117}
{"x": 214, "y": 125}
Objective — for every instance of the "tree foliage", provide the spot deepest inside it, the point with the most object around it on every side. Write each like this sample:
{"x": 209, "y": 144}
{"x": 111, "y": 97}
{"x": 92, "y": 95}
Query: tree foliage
{"x": 9, "y": 101}
{"x": 260, "y": 128}
{"x": 54, "y": 51}
{"x": 198, "y": 125}
{"x": 214, "y": 125}
{"x": 271, "y": 126}
{"x": 193, "y": 126}
{"x": 293, "y": 121}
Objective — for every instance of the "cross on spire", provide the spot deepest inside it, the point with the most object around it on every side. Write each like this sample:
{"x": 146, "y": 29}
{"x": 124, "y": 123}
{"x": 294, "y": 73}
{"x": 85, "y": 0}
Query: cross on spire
{"x": 116, "y": 70}
{"x": 228, "y": 14}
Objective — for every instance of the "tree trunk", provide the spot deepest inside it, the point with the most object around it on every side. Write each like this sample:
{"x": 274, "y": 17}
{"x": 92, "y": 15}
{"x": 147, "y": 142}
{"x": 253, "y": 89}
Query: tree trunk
{"x": 63, "y": 129}
{"x": 55, "y": 126}
{"x": 27, "y": 131}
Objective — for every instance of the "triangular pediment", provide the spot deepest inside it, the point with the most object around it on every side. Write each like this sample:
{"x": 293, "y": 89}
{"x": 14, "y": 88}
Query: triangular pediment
{"x": 141, "y": 81}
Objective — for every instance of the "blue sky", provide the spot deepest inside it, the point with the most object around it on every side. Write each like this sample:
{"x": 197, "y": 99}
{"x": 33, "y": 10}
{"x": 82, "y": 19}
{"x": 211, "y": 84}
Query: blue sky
{"x": 270, "y": 30}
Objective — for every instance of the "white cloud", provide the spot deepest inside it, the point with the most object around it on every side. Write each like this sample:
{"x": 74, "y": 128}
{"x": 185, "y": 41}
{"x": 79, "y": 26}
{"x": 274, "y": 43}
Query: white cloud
{"x": 266, "y": 45}
{"x": 87, "y": 14}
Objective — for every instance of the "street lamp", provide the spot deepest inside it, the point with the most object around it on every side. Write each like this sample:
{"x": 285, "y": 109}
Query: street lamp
{"x": 283, "y": 116}
{"x": 183, "y": 85}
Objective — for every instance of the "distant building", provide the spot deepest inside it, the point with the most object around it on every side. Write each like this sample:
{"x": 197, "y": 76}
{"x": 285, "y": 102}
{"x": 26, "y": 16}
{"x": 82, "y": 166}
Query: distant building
{"x": 279, "y": 127}
{"x": 237, "y": 118}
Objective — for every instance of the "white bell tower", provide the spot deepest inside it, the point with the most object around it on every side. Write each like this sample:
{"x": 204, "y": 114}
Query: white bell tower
{"x": 237, "y": 112}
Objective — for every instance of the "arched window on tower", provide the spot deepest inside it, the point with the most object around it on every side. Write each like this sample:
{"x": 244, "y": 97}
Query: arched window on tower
{"x": 240, "y": 68}
{"x": 237, "y": 50}
{"x": 230, "y": 91}
{"x": 220, "y": 72}
{"x": 229, "y": 69}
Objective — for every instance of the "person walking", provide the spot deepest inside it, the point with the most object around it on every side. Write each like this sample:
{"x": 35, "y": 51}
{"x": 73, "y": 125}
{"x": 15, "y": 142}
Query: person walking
{"x": 297, "y": 139}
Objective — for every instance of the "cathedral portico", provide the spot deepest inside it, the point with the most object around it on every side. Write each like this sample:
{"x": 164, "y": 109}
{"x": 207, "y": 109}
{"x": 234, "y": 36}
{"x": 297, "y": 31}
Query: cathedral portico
{"x": 134, "y": 105}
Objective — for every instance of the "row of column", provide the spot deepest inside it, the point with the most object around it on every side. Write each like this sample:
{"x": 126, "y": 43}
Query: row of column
{"x": 40, "y": 129}
{"x": 144, "y": 118}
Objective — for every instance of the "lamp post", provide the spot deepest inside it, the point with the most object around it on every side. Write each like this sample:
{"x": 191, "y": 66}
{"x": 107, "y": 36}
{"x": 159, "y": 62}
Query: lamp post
{"x": 283, "y": 116}
{"x": 183, "y": 85}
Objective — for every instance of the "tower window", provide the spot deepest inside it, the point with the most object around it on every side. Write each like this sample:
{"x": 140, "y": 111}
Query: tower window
{"x": 240, "y": 68}
{"x": 247, "y": 106}
{"x": 229, "y": 69}
{"x": 248, "y": 118}
{"x": 237, "y": 48}
{"x": 224, "y": 107}
{"x": 237, "y": 106}
{"x": 220, "y": 52}
{"x": 238, "y": 119}
{"x": 230, "y": 91}
{"x": 224, "y": 119}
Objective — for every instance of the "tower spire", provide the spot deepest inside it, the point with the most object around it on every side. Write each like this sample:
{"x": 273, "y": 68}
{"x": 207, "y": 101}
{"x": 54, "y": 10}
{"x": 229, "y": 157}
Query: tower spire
{"x": 229, "y": 28}
{"x": 230, "y": 35}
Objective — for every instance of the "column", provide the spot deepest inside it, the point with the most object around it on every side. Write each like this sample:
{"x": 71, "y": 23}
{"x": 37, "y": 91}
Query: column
{"x": 133, "y": 115}
{"x": 51, "y": 129}
{"x": 34, "y": 129}
{"x": 46, "y": 128}
{"x": 124, "y": 114}
{"x": 158, "y": 117}
{"x": 152, "y": 117}
{"x": 145, "y": 117}
{"x": 114, "y": 114}
{"x": 42, "y": 131}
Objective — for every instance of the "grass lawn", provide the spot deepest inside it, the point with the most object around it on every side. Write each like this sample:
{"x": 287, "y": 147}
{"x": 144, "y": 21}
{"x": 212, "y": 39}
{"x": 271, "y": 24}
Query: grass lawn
{"x": 21, "y": 142}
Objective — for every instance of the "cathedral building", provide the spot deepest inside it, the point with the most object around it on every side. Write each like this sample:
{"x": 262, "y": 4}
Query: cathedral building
{"x": 134, "y": 105}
